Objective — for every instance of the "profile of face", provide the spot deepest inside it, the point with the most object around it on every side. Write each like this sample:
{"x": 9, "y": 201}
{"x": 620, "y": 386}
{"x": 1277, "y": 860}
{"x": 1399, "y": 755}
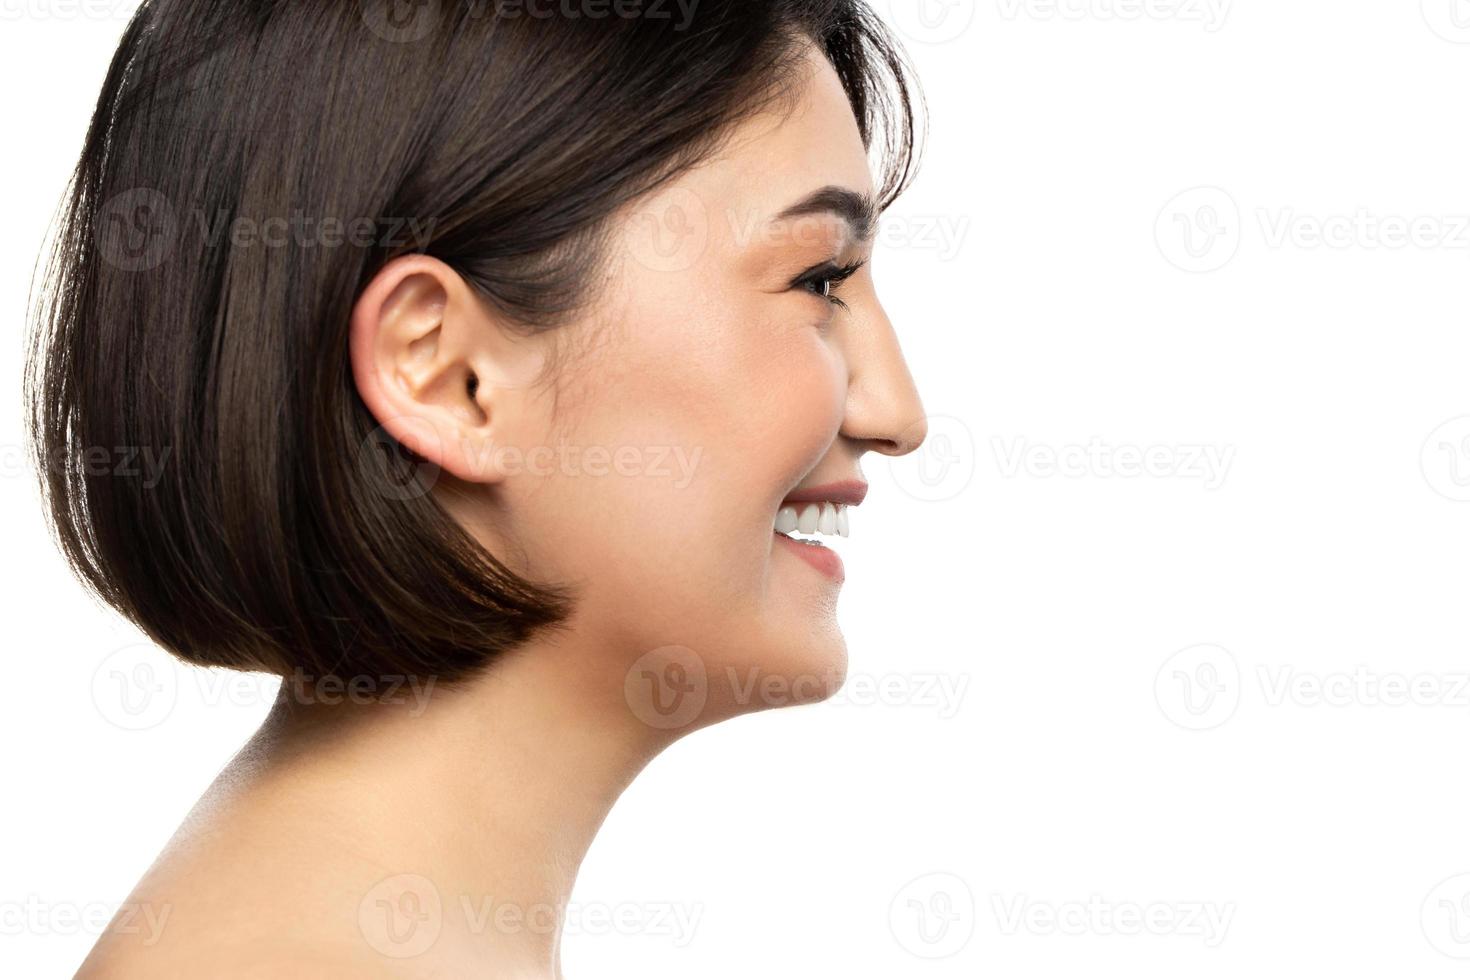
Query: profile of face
{"x": 634, "y": 370}
{"x": 735, "y": 363}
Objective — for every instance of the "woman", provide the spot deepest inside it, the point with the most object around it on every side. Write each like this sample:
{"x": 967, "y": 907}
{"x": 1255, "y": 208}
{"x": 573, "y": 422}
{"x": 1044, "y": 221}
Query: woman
{"x": 506, "y": 359}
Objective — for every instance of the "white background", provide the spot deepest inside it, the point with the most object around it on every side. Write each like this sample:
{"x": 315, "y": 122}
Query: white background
{"x": 1226, "y": 699}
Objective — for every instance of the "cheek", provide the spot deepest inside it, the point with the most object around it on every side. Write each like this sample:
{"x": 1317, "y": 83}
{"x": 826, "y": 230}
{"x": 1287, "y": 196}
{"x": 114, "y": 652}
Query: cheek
{"x": 754, "y": 386}
{"x": 726, "y": 410}
{"x": 800, "y": 409}
{"x": 765, "y": 401}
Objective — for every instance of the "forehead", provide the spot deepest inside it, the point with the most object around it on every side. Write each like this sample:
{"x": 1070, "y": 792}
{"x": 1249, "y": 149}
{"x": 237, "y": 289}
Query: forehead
{"x": 778, "y": 158}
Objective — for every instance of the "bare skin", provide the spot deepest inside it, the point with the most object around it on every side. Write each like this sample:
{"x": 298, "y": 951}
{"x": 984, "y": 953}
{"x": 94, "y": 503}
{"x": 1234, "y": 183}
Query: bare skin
{"x": 365, "y": 840}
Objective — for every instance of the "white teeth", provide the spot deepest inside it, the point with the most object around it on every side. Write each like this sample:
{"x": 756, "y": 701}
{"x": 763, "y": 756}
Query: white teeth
{"x": 810, "y": 516}
{"x": 815, "y": 518}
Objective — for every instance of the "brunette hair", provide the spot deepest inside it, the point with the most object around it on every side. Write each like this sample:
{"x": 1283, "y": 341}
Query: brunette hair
{"x": 208, "y": 466}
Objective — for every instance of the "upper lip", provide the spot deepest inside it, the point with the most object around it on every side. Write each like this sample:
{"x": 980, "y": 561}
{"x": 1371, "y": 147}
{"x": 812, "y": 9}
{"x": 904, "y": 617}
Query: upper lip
{"x": 849, "y": 492}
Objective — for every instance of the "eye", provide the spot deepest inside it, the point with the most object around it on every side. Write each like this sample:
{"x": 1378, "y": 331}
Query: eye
{"x": 825, "y": 278}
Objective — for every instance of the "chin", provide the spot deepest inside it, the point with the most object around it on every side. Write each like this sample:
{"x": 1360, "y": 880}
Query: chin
{"x": 707, "y": 651}
{"x": 830, "y": 673}
{"x": 799, "y": 669}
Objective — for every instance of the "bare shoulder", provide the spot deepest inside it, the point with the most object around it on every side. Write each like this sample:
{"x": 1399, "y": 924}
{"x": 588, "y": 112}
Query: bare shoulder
{"x": 220, "y": 909}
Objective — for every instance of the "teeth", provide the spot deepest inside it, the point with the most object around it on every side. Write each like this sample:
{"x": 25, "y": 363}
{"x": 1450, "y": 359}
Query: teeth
{"x": 816, "y": 518}
{"x": 811, "y": 515}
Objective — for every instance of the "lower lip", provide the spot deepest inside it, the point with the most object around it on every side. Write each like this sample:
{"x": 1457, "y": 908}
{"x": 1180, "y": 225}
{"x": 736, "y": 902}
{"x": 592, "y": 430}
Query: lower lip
{"x": 823, "y": 559}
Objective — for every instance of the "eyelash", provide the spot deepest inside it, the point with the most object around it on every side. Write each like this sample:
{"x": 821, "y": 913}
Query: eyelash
{"x": 834, "y": 275}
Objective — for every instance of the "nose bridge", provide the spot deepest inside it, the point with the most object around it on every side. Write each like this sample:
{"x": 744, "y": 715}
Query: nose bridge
{"x": 883, "y": 405}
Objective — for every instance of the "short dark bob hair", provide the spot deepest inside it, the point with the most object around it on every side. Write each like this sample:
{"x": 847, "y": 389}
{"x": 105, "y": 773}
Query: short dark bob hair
{"x": 208, "y": 466}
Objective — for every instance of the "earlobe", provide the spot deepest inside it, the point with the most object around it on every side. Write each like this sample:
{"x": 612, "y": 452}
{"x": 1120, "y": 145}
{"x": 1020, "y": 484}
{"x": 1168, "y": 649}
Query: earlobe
{"x": 420, "y": 356}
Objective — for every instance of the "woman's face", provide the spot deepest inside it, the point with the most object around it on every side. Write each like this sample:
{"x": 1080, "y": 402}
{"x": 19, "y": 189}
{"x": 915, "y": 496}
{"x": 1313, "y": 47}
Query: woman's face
{"x": 727, "y": 391}
{"x": 710, "y": 388}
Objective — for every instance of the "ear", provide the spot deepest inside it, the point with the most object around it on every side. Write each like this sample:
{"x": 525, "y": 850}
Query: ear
{"x": 437, "y": 370}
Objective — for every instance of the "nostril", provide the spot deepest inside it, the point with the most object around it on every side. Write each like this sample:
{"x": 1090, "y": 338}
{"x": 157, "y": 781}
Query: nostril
{"x": 910, "y": 438}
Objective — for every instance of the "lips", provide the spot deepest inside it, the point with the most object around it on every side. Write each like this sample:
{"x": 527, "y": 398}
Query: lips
{"x": 823, "y": 559}
{"x": 848, "y": 492}
{"x": 818, "y": 510}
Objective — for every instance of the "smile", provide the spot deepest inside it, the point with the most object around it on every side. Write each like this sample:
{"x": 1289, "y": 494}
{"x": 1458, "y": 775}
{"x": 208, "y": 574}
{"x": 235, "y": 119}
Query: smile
{"x": 816, "y": 518}
{"x": 814, "y": 512}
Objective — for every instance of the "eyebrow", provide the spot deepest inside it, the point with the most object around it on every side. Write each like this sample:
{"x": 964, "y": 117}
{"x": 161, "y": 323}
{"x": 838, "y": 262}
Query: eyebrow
{"x": 859, "y": 210}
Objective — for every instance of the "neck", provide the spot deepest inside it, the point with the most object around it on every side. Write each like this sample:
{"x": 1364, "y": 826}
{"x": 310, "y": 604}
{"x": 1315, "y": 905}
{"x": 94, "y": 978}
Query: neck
{"x": 488, "y": 794}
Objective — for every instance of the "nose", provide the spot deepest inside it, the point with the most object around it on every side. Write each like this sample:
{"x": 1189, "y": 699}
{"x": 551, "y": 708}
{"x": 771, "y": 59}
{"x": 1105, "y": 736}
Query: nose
{"x": 884, "y": 413}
